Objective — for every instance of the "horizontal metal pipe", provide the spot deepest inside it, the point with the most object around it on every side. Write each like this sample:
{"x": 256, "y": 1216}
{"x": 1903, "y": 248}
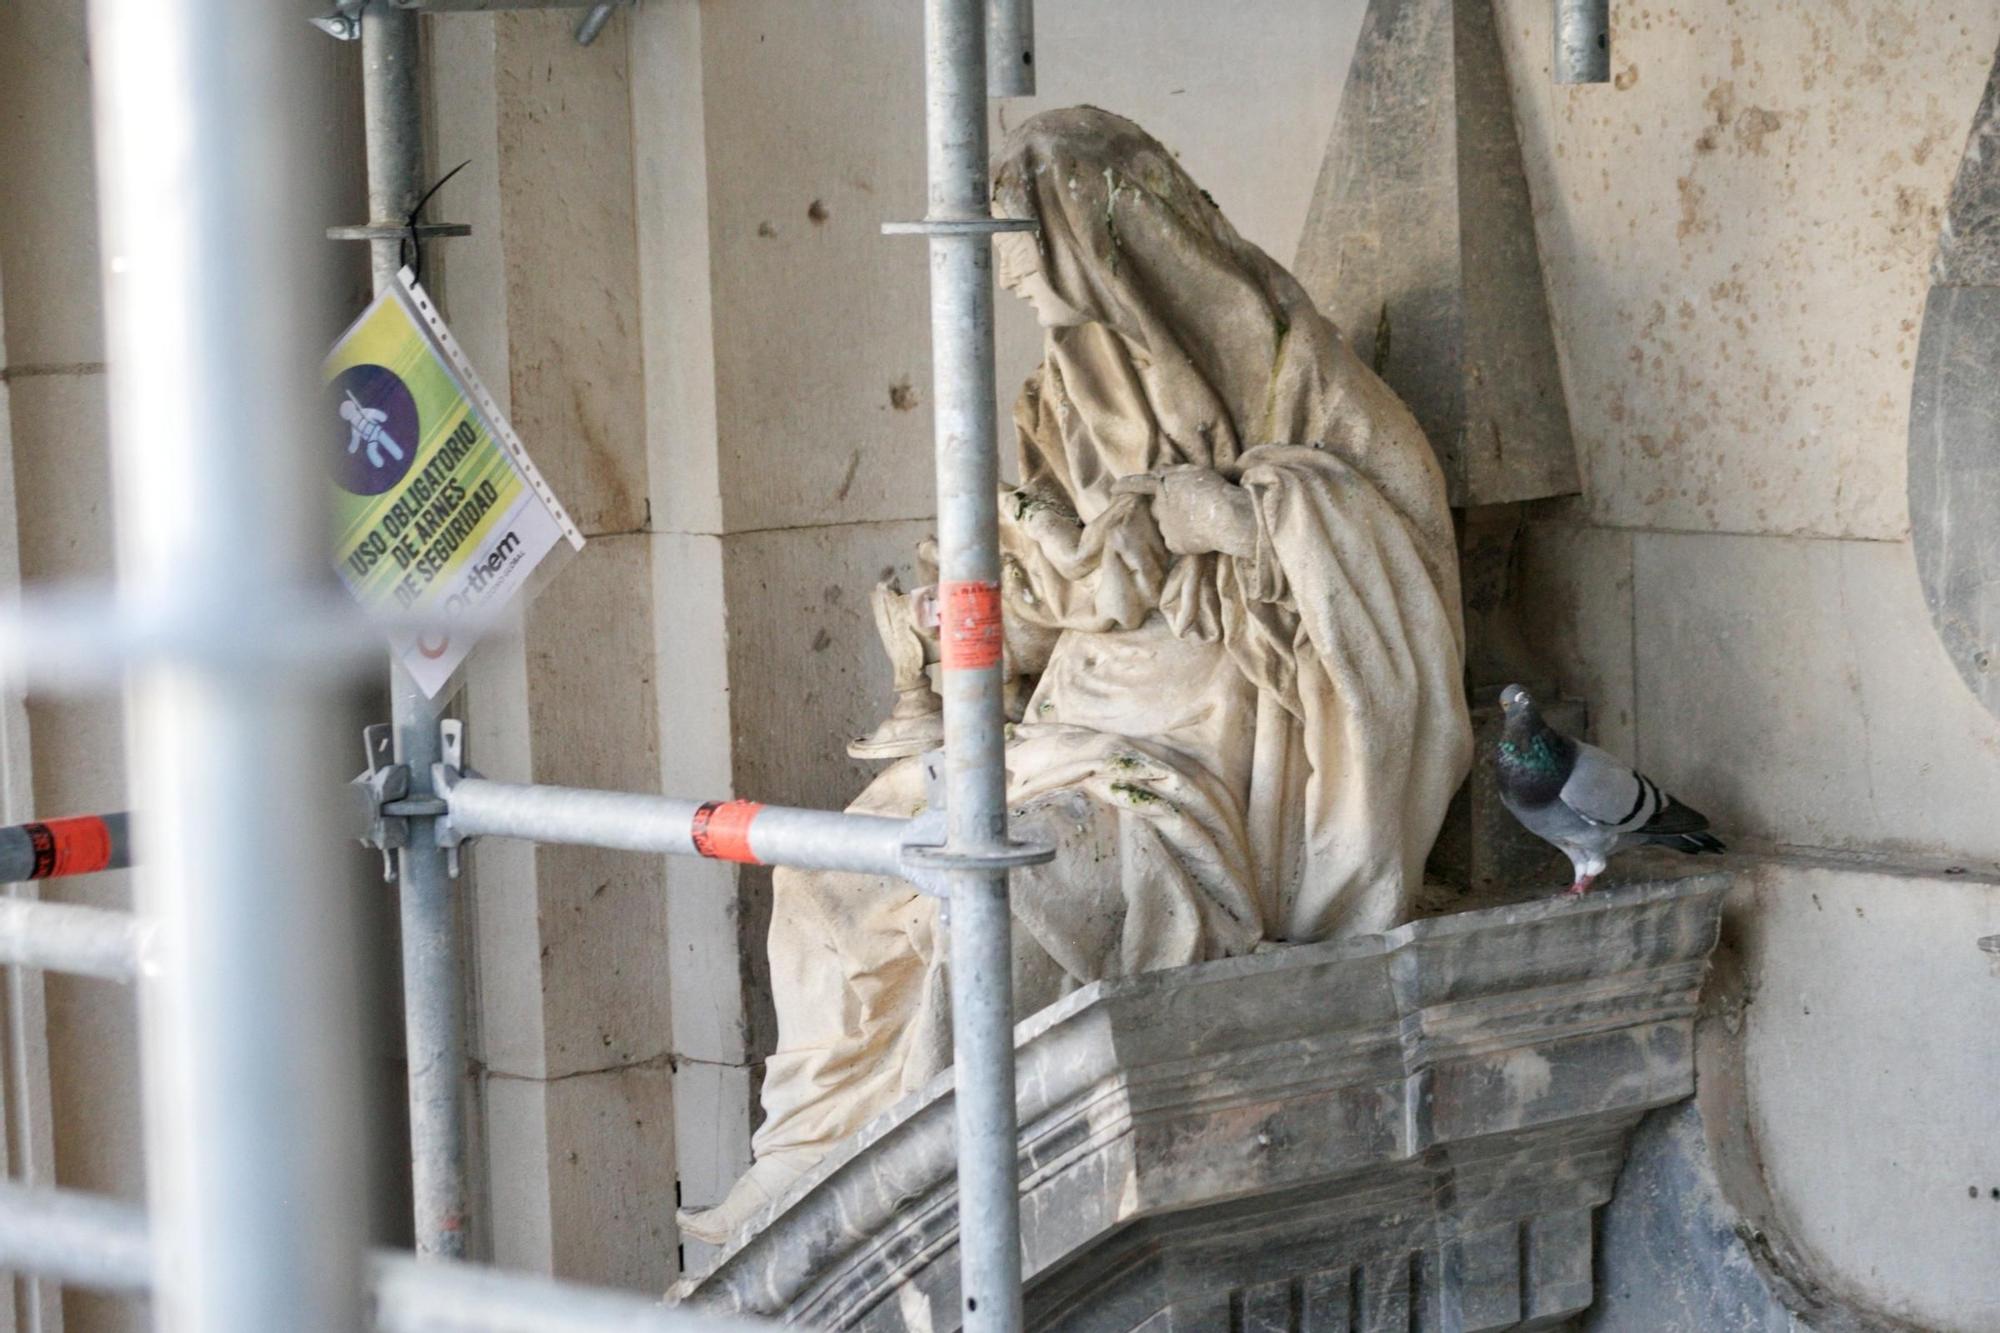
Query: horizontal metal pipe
{"x": 86, "y": 941}
{"x": 81, "y": 1239}
{"x": 413, "y": 1297}
{"x": 727, "y": 830}
{"x": 58, "y": 847}
{"x": 482, "y": 6}
{"x": 90, "y": 1241}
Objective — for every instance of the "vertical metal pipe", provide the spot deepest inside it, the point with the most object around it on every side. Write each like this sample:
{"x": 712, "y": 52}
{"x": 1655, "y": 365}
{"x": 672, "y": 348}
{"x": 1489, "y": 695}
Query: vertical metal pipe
{"x": 1010, "y": 48}
{"x": 969, "y": 574}
{"x": 433, "y": 1002}
{"x": 1583, "y": 41}
{"x": 216, "y": 302}
{"x": 393, "y": 121}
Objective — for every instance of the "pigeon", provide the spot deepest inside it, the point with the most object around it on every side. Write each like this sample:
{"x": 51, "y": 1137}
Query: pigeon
{"x": 1585, "y": 802}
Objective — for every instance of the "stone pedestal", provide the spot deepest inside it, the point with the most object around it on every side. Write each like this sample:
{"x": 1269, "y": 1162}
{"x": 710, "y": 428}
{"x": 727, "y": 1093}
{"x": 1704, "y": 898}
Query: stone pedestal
{"x": 1396, "y": 1132}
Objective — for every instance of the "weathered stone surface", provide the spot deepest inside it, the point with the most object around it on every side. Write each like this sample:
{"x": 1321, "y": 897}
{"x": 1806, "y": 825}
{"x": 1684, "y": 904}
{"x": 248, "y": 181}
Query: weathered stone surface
{"x": 599, "y": 917}
{"x": 1572, "y": 599}
{"x": 577, "y": 394}
{"x": 1837, "y": 1168}
{"x": 1419, "y": 1145}
{"x": 806, "y": 671}
{"x": 62, "y": 467}
{"x": 1421, "y": 244}
{"x": 1736, "y": 233}
{"x": 1969, "y": 245}
{"x": 713, "y": 1111}
{"x": 1671, "y": 1256}
{"x": 1955, "y": 417}
{"x": 48, "y": 194}
{"x": 1955, "y": 479}
{"x": 1793, "y": 692}
{"x": 670, "y": 176}
{"x": 1865, "y": 1097}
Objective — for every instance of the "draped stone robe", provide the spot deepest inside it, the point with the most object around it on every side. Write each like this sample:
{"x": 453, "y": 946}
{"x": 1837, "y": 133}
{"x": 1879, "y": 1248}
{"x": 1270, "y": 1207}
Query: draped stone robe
{"x": 1243, "y": 749}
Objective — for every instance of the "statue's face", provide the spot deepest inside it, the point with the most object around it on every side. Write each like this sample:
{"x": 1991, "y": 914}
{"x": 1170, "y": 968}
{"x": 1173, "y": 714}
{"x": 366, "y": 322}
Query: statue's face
{"x": 1019, "y": 265}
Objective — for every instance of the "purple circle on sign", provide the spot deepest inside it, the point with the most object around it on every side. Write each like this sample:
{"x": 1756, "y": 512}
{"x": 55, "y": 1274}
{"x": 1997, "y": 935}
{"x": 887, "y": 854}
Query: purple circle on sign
{"x": 374, "y": 422}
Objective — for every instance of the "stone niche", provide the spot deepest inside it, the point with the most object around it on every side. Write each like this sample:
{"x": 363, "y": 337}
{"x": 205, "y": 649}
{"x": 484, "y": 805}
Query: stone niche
{"x": 1397, "y": 1132}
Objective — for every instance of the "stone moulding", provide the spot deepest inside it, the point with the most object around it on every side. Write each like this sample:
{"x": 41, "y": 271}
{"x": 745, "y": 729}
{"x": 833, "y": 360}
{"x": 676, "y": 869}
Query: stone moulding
{"x": 1402, "y": 1131}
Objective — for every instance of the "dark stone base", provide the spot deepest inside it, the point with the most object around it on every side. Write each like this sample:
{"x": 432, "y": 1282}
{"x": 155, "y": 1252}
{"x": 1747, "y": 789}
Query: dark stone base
{"x": 1400, "y": 1132}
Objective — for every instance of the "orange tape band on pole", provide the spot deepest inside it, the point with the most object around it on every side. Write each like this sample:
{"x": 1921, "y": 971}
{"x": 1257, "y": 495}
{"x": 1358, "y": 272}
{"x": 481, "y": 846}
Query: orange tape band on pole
{"x": 969, "y": 630}
{"x": 69, "y": 846}
{"x": 722, "y": 830}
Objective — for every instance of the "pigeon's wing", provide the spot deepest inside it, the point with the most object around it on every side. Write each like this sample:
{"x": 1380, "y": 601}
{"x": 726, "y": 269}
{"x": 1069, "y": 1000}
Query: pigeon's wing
{"x": 1608, "y": 794}
{"x": 1611, "y": 796}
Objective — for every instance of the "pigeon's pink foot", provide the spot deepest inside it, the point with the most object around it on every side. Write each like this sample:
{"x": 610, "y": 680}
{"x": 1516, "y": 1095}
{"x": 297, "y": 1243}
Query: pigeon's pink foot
{"x": 1581, "y": 887}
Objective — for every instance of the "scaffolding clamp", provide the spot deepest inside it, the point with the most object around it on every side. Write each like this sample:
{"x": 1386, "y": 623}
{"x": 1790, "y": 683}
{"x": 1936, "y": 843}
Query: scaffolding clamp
{"x": 384, "y": 781}
{"x": 927, "y": 860}
{"x": 446, "y": 774}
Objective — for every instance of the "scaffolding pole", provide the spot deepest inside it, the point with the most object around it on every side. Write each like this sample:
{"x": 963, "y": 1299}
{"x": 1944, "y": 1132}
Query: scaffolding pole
{"x": 1583, "y": 41}
{"x": 968, "y": 480}
{"x": 206, "y": 166}
{"x": 433, "y": 989}
{"x": 1010, "y": 48}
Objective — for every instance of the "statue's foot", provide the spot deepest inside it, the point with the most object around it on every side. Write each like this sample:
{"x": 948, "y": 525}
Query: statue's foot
{"x": 767, "y": 1179}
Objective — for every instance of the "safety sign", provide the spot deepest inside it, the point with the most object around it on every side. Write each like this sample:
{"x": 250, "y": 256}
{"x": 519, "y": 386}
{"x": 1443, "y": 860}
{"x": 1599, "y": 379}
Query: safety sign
{"x": 440, "y": 518}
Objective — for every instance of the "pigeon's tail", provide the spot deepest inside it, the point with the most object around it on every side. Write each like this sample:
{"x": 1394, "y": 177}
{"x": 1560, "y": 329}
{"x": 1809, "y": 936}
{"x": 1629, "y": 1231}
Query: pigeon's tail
{"x": 1695, "y": 843}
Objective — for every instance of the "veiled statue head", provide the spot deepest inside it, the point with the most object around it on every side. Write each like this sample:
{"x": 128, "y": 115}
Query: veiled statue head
{"x": 1174, "y": 341}
{"x": 1123, "y": 227}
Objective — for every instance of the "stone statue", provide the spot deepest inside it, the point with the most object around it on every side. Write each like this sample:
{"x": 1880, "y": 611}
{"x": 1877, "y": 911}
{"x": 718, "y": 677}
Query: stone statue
{"x": 1229, "y": 576}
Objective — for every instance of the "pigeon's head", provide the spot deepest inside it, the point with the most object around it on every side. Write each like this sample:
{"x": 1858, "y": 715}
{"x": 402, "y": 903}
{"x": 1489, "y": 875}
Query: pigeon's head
{"x": 1515, "y": 702}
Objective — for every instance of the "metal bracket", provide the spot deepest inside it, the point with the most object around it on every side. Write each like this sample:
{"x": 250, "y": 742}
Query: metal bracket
{"x": 343, "y": 24}
{"x": 382, "y": 782}
{"x": 446, "y": 774}
{"x": 927, "y": 862}
{"x": 396, "y": 231}
{"x": 959, "y": 226}
{"x": 343, "y": 21}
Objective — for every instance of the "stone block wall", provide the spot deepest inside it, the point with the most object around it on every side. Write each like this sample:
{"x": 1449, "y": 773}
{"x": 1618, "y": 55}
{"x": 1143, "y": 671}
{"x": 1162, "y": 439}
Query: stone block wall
{"x": 1737, "y": 233}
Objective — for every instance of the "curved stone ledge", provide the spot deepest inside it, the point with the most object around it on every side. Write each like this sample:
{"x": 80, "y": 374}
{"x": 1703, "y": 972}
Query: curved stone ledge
{"x": 1405, "y": 1130}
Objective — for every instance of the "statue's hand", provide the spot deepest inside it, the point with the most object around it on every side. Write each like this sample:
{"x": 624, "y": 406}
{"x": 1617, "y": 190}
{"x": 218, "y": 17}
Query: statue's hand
{"x": 1198, "y": 510}
{"x": 1132, "y": 543}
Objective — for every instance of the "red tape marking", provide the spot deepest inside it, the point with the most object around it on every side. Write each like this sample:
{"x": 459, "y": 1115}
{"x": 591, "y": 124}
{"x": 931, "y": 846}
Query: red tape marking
{"x": 69, "y": 846}
{"x": 722, "y": 830}
{"x": 969, "y": 632}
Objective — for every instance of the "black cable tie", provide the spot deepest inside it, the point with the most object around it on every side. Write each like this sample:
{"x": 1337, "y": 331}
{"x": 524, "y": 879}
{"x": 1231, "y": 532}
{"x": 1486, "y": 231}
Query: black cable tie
{"x": 413, "y": 250}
